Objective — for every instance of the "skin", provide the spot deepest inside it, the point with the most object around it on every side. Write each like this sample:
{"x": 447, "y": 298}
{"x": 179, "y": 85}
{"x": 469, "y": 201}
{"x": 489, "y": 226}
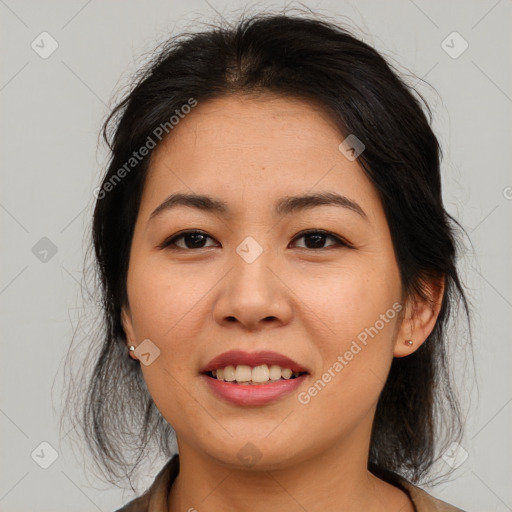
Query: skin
{"x": 309, "y": 304}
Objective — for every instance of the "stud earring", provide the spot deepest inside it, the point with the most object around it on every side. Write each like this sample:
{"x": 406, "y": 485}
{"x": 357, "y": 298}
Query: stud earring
{"x": 409, "y": 342}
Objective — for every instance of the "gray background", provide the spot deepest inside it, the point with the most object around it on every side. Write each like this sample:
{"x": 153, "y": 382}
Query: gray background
{"x": 51, "y": 112}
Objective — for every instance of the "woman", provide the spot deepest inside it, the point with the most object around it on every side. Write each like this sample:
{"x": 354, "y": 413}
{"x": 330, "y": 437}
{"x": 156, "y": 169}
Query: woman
{"x": 277, "y": 273}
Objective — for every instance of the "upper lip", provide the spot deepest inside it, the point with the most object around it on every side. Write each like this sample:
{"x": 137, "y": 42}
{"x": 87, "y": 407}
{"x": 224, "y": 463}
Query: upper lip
{"x": 236, "y": 357}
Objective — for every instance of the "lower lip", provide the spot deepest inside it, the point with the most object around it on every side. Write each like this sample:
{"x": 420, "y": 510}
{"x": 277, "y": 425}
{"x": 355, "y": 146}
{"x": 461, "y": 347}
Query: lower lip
{"x": 253, "y": 394}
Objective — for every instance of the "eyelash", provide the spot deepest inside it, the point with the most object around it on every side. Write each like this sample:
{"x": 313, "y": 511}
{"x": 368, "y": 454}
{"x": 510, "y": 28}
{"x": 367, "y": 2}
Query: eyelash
{"x": 166, "y": 244}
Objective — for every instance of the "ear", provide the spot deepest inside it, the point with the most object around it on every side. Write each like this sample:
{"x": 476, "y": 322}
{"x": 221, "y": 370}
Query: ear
{"x": 126, "y": 321}
{"x": 420, "y": 317}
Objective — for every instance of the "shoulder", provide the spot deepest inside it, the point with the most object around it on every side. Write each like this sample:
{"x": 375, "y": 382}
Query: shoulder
{"x": 155, "y": 498}
{"x": 140, "y": 504}
{"x": 423, "y": 501}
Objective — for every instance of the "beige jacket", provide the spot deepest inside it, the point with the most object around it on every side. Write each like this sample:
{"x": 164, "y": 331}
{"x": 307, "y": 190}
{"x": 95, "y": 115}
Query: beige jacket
{"x": 155, "y": 498}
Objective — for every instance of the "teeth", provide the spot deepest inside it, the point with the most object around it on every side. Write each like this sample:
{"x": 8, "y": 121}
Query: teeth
{"x": 244, "y": 374}
{"x": 275, "y": 372}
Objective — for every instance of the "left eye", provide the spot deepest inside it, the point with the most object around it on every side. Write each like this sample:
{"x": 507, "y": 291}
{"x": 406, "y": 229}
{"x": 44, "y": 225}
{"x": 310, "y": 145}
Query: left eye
{"x": 196, "y": 240}
{"x": 318, "y": 238}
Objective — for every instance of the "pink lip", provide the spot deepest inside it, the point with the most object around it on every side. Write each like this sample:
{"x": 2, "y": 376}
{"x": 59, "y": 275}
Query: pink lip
{"x": 250, "y": 394}
{"x": 236, "y": 357}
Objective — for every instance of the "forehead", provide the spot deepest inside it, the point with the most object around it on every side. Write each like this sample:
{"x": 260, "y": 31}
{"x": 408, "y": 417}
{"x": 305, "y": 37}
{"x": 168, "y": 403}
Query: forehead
{"x": 240, "y": 123}
{"x": 257, "y": 147}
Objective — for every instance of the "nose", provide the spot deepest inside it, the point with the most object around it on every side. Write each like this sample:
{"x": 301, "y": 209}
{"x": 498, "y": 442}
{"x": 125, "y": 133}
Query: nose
{"x": 253, "y": 294}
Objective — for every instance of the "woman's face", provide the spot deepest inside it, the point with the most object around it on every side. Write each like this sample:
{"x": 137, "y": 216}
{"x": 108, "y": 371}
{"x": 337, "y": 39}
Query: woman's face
{"x": 332, "y": 308}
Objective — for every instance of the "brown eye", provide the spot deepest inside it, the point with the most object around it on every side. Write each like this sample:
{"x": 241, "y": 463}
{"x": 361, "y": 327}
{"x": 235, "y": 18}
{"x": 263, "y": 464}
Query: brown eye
{"x": 191, "y": 239}
{"x": 315, "y": 239}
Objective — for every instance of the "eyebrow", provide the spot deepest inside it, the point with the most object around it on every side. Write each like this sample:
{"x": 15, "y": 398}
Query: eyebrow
{"x": 283, "y": 206}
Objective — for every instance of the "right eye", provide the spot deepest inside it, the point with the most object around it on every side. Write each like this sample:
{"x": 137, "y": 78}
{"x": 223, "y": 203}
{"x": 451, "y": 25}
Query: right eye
{"x": 193, "y": 238}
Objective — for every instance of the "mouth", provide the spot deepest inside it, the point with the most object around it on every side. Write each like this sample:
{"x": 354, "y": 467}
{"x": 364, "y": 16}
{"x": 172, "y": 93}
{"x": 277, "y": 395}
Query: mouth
{"x": 261, "y": 385}
{"x": 253, "y": 368}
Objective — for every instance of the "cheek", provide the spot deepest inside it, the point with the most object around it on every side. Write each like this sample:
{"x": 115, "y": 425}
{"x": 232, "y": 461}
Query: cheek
{"x": 354, "y": 339}
{"x": 344, "y": 300}
{"x": 163, "y": 298}
{"x": 351, "y": 316}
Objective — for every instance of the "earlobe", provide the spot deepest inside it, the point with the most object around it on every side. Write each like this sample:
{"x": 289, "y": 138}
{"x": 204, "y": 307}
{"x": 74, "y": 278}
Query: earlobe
{"x": 126, "y": 321}
{"x": 420, "y": 318}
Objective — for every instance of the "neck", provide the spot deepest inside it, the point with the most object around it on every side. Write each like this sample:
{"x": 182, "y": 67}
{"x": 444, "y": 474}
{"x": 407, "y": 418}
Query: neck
{"x": 336, "y": 478}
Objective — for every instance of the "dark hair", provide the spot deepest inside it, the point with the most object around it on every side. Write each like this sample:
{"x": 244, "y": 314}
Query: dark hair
{"x": 318, "y": 61}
